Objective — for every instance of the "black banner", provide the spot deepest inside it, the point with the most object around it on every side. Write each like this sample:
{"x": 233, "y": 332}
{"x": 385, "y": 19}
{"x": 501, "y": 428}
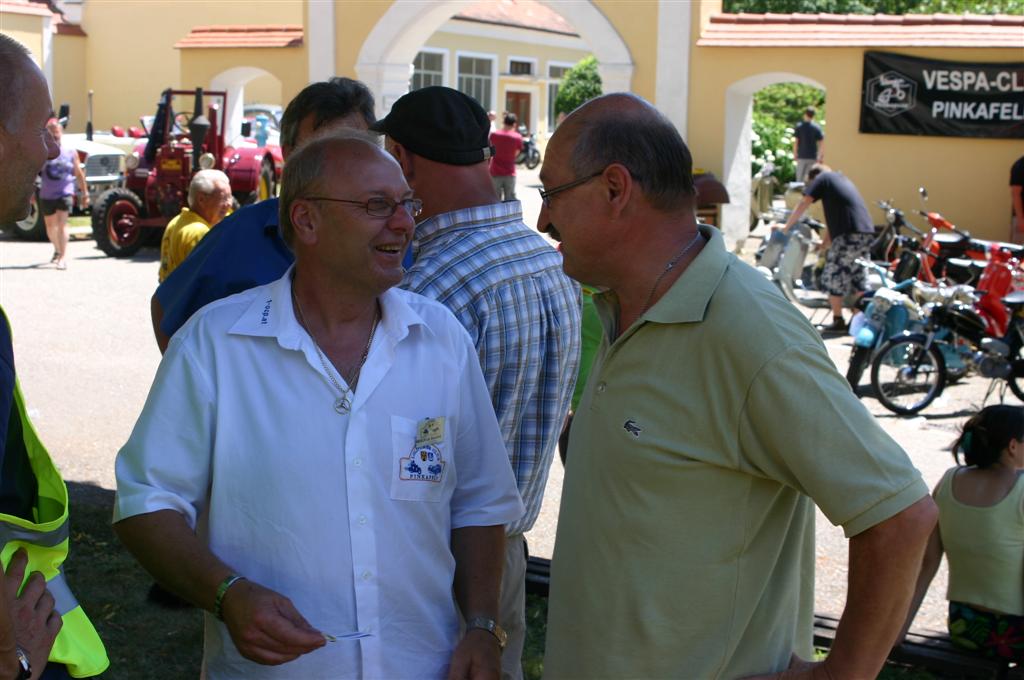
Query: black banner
{"x": 904, "y": 95}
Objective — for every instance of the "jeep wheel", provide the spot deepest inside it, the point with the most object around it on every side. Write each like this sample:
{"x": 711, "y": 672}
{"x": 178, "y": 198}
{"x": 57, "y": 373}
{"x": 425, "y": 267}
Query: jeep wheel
{"x": 115, "y": 222}
{"x": 33, "y": 227}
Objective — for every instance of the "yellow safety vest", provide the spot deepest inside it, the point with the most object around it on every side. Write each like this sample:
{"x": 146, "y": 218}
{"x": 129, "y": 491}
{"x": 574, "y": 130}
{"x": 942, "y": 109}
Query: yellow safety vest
{"x": 46, "y": 539}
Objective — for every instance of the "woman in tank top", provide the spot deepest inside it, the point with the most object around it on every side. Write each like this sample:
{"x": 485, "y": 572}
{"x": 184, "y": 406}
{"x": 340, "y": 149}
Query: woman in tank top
{"x": 981, "y": 530}
{"x": 57, "y": 193}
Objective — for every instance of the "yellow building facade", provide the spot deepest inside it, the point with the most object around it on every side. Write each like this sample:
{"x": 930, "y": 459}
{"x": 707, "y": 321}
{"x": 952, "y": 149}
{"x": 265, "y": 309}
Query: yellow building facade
{"x": 672, "y": 53}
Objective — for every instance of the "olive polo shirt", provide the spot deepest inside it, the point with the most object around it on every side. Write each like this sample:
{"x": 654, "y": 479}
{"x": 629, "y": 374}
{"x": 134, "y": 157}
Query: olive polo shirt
{"x": 685, "y": 542}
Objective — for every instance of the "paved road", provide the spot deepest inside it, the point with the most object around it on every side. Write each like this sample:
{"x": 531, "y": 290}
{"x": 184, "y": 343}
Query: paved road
{"x": 86, "y": 358}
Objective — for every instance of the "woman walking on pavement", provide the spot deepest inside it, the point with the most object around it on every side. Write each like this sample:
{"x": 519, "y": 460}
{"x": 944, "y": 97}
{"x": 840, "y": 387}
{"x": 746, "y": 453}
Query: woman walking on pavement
{"x": 981, "y": 530}
{"x": 57, "y": 193}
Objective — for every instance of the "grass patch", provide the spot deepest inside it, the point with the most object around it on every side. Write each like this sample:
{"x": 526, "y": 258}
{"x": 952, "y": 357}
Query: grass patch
{"x": 146, "y": 641}
{"x": 80, "y": 221}
{"x": 143, "y": 640}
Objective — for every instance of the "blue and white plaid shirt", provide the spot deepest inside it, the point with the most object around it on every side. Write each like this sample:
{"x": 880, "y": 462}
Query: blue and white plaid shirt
{"x": 505, "y": 284}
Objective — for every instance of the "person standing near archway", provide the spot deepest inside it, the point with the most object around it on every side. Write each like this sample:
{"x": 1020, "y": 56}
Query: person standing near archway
{"x": 808, "y": 144}
{"x": 57, "y": 193}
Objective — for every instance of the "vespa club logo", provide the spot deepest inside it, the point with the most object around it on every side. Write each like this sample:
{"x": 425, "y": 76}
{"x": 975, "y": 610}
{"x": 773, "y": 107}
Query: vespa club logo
{"x": 891, "y": 93}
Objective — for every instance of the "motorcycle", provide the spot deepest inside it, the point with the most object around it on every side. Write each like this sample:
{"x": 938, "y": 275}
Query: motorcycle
{"x": 887, "y": 312}
{"x": 530, "y": 154}
{"x": 911, "y": 370}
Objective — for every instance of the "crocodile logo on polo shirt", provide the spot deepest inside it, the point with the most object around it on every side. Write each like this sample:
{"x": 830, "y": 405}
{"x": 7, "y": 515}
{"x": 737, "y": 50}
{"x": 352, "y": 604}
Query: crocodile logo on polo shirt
{"x": 631, "y": 427}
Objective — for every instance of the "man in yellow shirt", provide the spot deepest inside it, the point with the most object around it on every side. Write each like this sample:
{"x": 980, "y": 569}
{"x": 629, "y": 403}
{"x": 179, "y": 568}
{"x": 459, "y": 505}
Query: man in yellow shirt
{"x": 209, "y": 200}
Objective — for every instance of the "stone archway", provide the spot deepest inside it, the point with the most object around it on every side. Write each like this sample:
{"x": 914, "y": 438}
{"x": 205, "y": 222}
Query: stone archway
{"x": 390, "y": 48}
{"x": 233, "y": 81}
{"x": 739, "y": 109}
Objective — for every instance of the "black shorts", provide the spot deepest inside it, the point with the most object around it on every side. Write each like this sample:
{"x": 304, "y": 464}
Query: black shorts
{"x": 49, "y": 206}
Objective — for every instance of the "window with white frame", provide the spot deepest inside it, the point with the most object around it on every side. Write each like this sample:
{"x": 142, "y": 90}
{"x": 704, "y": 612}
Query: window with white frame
{"x": 555, "y": 74}
{"x": 476, "y": 76}
{"x": 427, "y": 70}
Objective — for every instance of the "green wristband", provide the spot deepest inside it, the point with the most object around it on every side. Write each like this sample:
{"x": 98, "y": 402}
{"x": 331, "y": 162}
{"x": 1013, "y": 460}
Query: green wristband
{"x": 222, "y": 589}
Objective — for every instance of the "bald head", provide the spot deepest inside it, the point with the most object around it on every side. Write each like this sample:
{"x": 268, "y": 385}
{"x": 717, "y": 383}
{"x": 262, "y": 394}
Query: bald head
{"x": 19, "y": 70}
{"x": 306, "y": 173}
{"x": 25, "y": 143}
{"x": 625, "y": 129}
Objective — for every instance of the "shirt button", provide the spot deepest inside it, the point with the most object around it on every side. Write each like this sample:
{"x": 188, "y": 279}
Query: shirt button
{"x": 357, "y": 462}
{"x": 601, "y": 386}
{"x": 362, "y": 519}
{"x": 367, "y": 576}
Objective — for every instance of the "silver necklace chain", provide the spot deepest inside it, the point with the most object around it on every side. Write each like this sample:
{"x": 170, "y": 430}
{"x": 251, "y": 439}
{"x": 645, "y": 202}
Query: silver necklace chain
{"x": 343, "y": 404}
{"x": 668, "y": 267}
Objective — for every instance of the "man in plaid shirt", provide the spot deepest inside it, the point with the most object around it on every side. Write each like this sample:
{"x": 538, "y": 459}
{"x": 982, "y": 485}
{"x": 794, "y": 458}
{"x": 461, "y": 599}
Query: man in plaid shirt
{"x": 505, "y": 283}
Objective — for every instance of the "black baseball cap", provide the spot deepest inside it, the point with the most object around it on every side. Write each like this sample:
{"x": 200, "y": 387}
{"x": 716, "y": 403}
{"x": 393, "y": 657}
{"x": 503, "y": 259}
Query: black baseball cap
{"x": 441, "y": 124}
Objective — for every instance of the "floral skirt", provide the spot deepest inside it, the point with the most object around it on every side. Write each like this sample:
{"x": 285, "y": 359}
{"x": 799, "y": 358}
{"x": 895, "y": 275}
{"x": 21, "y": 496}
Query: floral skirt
{"x": 994, "y": 636}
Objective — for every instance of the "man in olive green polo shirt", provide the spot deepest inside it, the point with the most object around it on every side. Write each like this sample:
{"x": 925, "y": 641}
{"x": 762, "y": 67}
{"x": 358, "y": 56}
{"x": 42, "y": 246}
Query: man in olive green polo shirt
{"x": 712, "y": 422}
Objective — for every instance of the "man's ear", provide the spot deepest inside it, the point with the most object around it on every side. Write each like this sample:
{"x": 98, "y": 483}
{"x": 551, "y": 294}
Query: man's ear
{"x": 304, "y": 222}
{"x": 619, "y": 187}
{"x": 406, "y": 160}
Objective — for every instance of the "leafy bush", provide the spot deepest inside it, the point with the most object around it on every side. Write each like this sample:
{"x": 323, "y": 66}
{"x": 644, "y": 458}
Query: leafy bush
{"x": 876, "y": 6}
{"x": 579, "y": 84}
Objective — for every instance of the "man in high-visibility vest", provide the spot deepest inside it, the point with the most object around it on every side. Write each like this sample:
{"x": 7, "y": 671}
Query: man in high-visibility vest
{"x": 44, "y": 633}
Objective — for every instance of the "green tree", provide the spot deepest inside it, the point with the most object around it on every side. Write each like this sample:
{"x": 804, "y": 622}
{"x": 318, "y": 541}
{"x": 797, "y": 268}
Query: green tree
{"x": 579, "y": 84}
{"x": 876, "y": 6}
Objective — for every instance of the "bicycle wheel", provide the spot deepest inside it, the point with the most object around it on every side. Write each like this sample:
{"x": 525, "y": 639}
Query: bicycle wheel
{"x": 907, "y": 376}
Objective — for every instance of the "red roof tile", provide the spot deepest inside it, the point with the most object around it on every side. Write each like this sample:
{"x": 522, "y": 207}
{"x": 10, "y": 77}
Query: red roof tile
{"x": 25, "y": 7}
{"x": 284, "y": 35}
{"x": 518, "y": 13}
{"x": 856, "y": 30}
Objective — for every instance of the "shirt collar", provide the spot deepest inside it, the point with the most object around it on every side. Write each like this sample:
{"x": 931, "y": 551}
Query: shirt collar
{"x": 191, "y": 216}
{"x": 491, "y": 215}
{"x": 688, "y": 298}
{"x": 272, "y": 315}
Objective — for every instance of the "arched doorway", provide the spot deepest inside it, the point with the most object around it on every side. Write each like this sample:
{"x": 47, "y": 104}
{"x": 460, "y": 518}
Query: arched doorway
{"x": 739, "y": 106}
{"x": 389, "y": 49}
{"x": 233, "y": 81}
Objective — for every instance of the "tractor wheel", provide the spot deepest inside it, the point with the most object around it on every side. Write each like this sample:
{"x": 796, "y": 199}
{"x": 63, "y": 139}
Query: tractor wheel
{"x": 265, "y": 189}
{"x": 33, "y": 227}
{"x": 115, "y": 222}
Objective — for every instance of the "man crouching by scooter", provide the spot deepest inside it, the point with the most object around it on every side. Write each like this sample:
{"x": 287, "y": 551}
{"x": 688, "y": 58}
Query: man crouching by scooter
{"x": 849, "y": 236}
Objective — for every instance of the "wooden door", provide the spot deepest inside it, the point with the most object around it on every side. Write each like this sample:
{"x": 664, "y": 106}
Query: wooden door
{"x": 519, "y": 104}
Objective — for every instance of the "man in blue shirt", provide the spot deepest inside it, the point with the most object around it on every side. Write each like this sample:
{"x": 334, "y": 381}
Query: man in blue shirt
{"x": 808, "y": 144}
{"x": 246, "y": 249}
{"x": 504, "y": 282}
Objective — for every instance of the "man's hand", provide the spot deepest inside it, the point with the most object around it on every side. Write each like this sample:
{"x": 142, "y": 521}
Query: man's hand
{"x": 36, "y": 624}
{"x": 265, "y": 626}
{"x": 798, "y": 670}
{"x": 477, "y": 657}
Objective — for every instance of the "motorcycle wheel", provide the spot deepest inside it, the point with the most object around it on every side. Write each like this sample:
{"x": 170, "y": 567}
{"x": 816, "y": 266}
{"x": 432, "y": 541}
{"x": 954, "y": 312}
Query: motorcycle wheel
{"x": 859, "y": 360}
{"x": 532, "y": 159}
{"x": 907, "y": 376}
{"x": 1016, "y": 379}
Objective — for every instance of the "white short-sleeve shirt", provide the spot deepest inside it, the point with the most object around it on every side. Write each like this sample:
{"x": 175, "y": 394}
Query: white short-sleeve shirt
{"x": 349, "y": 516}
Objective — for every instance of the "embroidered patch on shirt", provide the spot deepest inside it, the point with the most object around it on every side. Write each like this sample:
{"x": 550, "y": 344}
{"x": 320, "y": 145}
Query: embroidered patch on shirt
{"x": 424, "y": 464}
{"x": 631, "y": 427}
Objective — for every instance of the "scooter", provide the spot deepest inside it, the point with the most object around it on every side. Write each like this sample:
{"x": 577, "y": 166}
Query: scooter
{"x": 762, "y": 194}
{"x": 530, "y": 155}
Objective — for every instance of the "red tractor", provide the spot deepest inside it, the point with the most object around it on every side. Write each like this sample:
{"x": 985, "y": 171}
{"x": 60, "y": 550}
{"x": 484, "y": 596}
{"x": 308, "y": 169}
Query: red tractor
{"x": 158, "y": 172}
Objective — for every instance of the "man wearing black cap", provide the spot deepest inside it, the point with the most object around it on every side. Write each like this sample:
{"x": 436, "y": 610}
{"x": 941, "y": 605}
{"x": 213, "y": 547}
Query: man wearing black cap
{"x": 505, "y": 284}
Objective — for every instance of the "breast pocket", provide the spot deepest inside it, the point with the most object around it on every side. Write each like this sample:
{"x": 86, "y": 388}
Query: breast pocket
{"x": 421, "y": 468}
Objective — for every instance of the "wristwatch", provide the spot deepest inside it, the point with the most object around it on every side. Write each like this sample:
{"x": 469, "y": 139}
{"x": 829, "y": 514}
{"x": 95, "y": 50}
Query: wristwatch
{"x": 25, "y": 671}
{"x": 491, "y": 626}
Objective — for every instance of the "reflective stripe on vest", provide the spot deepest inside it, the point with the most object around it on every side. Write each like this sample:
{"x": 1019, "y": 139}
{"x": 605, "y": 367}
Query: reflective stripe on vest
{"x": 45, "y": 541}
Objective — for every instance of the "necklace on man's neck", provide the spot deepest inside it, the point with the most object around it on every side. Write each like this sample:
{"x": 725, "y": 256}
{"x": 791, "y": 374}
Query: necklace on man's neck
{"x": 668, "y": 267}
{"x": 343, "y": 404}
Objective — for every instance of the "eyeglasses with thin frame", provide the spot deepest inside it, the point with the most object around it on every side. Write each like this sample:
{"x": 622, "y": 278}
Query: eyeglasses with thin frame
{"x": 378, "y": 206}
{"x": 545, "y": 196}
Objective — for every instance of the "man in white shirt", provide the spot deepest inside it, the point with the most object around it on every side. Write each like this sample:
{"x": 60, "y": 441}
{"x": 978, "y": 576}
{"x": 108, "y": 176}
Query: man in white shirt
{"x": 330, "y": 440}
